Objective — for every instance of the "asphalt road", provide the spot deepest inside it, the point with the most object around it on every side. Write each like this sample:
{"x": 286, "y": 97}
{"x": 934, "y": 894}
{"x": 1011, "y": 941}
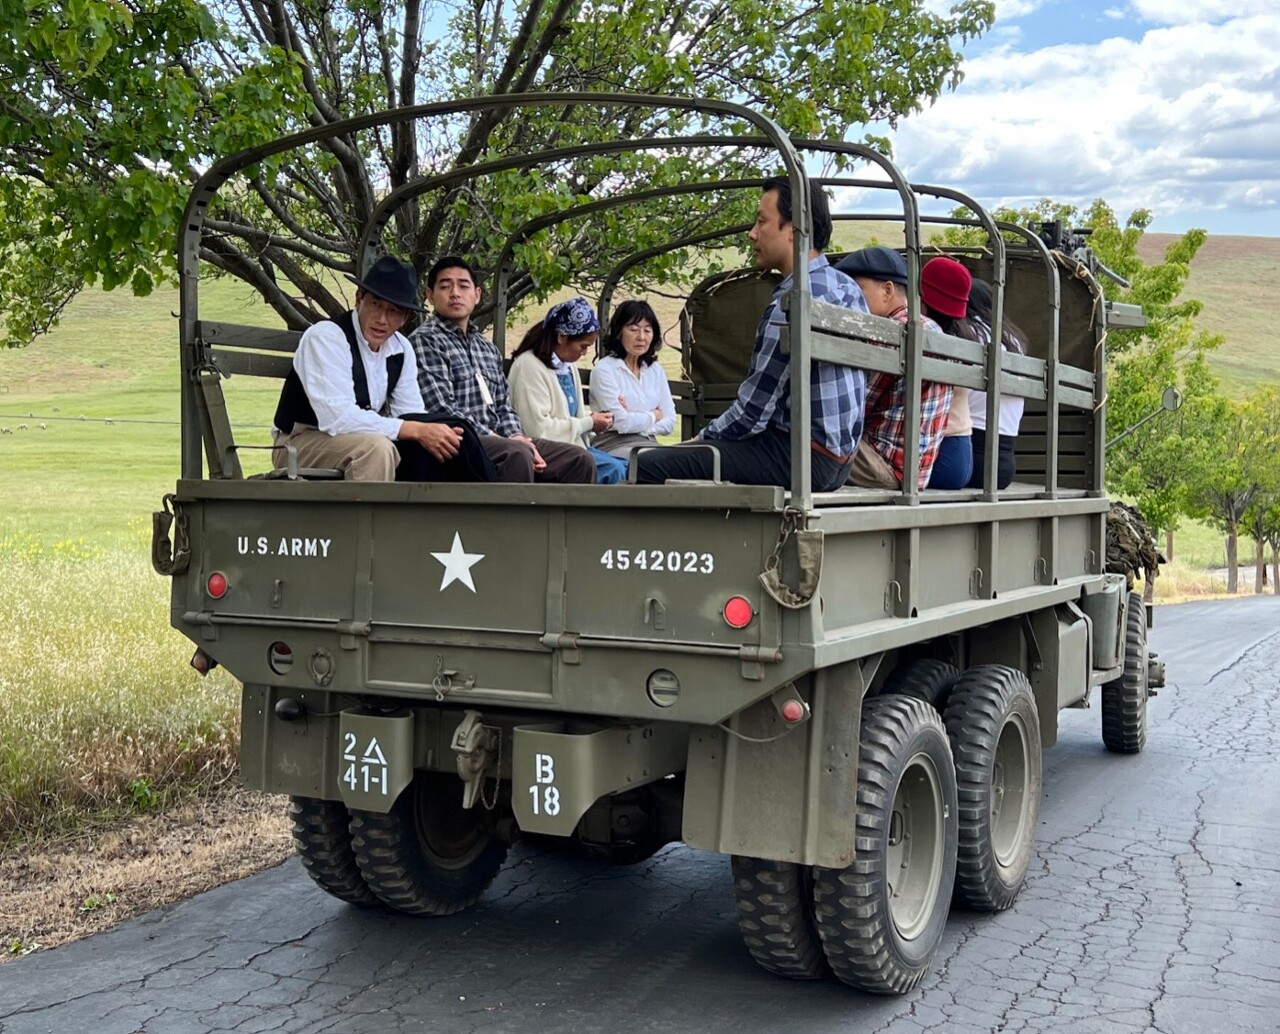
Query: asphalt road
{"x": 1153, "y": 906}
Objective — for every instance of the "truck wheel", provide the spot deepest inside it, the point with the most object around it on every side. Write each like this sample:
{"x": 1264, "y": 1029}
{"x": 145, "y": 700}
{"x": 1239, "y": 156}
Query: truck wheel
{"x": 323, "y": 841}
{"x": 923, "y": 678}
{"x": 882, "y": 918}
{"x": 1124, "y": 700}
{"x": 427, "y": 856}
{"x": 776, "y": 917}
{"x": 995, "y": 739}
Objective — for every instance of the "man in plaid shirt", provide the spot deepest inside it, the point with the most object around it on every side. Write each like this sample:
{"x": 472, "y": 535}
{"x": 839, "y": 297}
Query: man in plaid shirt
{"x": 754, "y": 436}
{"x": 881, "y": 273}
{"x": 460, "y": 374}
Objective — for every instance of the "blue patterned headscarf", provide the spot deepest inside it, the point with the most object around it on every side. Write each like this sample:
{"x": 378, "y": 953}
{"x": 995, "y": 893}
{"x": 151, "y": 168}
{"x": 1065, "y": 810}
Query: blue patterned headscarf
{"x": 572, "y": 318}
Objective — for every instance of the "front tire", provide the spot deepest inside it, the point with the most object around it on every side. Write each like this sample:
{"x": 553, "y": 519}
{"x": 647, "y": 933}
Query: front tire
{"x": 322, "y": 837}
{"x": 776, "y": 917}
{"x": 995, "y": 737}
{"x": 1124, "y": 700}
{"x": 427, "y": 856}
{"x": 881, "y": 919}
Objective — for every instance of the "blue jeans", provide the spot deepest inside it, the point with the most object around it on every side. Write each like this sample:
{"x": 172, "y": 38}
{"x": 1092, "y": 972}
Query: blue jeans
{"x": 954, "y": 465}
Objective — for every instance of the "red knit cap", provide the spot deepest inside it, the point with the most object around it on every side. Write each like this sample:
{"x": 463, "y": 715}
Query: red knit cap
{"x": 944, "y": 286}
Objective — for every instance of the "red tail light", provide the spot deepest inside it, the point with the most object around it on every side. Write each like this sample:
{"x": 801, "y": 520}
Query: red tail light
{"x": 738, "y": 612}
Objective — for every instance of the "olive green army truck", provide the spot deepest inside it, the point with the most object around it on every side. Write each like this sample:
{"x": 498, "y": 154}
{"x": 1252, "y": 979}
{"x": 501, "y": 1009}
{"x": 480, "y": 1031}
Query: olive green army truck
{"x": 846, "y": 692}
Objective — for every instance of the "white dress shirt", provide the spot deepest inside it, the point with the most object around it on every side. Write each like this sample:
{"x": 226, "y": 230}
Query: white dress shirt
{"x": 612, "y": 382}
{"x": 323, "y": 362}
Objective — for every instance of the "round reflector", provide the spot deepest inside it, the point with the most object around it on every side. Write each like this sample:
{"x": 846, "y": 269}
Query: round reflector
{"x": 792, "y": 711}
{"x": 738, "y": 612}
{"x": 217, "y": 586}
{"x": 280, "y": 658}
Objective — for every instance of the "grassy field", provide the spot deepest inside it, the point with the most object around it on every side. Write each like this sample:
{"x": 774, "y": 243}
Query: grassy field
{"x": 98, "y": 709}
{"x": 1235, "y": 278}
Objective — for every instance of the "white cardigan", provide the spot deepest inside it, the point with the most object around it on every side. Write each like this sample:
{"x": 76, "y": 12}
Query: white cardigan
{"x": 541, "y": 404}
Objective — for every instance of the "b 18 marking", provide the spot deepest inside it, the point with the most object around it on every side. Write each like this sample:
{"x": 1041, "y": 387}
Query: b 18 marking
{"x": 673, "y": 561}
{"x": 545, "y": 794}
{"x": 366, "y": 770}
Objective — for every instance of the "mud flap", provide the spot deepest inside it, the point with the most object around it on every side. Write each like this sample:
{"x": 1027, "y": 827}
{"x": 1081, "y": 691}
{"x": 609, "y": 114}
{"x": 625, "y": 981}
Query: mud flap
{"x": 376, "y": 760}
{"x": 557, "y": 774}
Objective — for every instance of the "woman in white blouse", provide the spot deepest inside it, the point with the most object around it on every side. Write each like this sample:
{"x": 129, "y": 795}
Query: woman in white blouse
{"x": 630, "y": 383}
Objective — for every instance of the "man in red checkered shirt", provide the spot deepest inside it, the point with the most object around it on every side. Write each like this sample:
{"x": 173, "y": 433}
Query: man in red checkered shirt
{"x": 878, "y": 463}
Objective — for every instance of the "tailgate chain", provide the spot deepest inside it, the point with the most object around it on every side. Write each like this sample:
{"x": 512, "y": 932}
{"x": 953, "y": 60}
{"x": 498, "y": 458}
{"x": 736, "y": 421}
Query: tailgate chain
{"x": 169, "y": 556}
{"x": 809, "y": 548}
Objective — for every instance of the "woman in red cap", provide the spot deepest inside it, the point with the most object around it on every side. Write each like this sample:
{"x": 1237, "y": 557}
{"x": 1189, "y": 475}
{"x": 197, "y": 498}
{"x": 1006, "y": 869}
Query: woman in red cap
{"x": 944, "y": 290}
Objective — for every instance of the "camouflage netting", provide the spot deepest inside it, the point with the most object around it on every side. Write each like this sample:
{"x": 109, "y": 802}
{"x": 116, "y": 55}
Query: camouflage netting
{"x": 1131, "y": 544}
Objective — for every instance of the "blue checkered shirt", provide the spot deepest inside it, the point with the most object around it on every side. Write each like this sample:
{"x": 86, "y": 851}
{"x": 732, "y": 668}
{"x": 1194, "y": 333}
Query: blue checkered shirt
{"x": 449, "y": 360}
{"x": 838, "y": 393}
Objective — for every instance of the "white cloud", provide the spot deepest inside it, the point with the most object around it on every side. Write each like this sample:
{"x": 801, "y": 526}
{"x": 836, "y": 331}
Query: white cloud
{"x": 1007, "y": 10}
{"x": 1184, "y": 12}
{"x": 1179, "y": 120}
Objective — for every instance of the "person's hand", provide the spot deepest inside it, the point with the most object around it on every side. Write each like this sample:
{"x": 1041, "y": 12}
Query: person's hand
{"x": 539, "y": 464}
{"x": 601, "y": 421}
{"x": 441, "y": 440}
{"x": 656, "y": 413}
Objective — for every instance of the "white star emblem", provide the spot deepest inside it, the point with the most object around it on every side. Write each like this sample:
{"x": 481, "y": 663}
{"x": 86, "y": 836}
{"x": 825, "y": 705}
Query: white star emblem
{"x": 457, "y": 564}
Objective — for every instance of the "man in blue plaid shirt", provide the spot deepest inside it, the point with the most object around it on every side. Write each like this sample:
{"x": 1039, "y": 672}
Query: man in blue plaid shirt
{"x": 754, "y": 435}
{"x": 460, "y": 374}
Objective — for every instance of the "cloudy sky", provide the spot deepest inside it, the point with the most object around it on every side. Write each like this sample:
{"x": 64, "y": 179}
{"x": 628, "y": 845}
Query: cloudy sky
{"x": 1171, "y": 105}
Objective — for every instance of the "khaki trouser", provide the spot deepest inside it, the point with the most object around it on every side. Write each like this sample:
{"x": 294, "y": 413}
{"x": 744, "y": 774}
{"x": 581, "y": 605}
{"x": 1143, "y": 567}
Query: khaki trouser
{"x": 871, "y": 470}
{"x": 360, "y": 457}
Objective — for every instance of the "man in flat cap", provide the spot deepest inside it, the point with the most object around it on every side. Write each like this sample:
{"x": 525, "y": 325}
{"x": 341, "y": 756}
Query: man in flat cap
{"x": 351, "y": 401}
{"x": 879, "y": 461}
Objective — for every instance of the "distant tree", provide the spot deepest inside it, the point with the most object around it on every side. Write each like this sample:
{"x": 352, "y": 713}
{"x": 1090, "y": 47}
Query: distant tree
{"x": 1261, "y": 518}
{"x": 1232, "y": 465}
{"x": 112, "y": 107}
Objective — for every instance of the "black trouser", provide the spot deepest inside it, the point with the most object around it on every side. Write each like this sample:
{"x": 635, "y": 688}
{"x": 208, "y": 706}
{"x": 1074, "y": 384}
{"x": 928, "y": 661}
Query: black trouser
{"x": 763, "y": 459}
{"x": 469, "y": 464}
{"x": 1007, "y": 464}
{"x": 566, "y": 464}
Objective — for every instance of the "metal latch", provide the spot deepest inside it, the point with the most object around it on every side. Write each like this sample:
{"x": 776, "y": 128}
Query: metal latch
{"x": 479, "y": 749}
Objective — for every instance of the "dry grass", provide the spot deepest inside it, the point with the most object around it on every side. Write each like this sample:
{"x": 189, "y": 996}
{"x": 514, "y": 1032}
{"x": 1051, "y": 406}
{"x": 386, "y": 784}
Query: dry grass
{"x": 79, "y": 884}
{"x": 99, "y": 712}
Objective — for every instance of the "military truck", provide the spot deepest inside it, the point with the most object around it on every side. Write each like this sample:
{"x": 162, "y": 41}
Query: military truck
{"x": 846, "y": 692}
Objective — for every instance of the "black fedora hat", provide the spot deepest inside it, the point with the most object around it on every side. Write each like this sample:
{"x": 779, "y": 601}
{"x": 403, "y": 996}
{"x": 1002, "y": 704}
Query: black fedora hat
{"x": 393, "y": 281}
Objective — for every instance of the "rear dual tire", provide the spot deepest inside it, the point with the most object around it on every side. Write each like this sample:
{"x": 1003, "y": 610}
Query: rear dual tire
{"x": 427, "y": 856}
{"x": 994, "y": 729}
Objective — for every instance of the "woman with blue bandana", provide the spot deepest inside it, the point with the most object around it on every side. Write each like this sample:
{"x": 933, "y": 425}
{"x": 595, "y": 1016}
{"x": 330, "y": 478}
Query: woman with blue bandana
{"x": 546, "y": 389}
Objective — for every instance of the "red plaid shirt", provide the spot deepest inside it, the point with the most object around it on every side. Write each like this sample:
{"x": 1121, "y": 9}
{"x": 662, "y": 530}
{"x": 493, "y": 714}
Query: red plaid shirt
{"x": 887, "y": 409}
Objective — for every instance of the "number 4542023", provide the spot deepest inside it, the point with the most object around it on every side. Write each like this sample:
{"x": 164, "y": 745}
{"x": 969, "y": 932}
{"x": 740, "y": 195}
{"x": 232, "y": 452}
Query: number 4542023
{"x": 675, "y": 561}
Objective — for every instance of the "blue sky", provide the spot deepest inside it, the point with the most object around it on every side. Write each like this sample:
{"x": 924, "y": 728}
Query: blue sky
{"x": 1169, "y": 105}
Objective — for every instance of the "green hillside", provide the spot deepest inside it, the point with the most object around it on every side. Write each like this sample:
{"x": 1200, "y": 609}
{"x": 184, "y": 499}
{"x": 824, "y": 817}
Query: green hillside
{"x": 1235, "y": 278}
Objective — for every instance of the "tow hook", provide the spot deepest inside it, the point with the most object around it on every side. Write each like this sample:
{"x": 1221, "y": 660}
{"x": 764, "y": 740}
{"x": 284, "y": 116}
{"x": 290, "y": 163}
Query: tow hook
{"x": 479, "y": 749}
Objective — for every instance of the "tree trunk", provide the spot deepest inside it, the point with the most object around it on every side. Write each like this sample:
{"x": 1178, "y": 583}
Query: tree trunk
{"x": 1275, "y": 570}
{"x": 1168, "y": 545}
{"x": 1233, "y": 562}
{"x": 1259, "y": 567}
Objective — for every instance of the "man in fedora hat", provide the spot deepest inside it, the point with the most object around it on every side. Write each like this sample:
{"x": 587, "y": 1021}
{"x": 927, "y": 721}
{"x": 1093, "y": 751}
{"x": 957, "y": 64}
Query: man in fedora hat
{"x": 880, "y": 458}
{"x": 353, "y": 383}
